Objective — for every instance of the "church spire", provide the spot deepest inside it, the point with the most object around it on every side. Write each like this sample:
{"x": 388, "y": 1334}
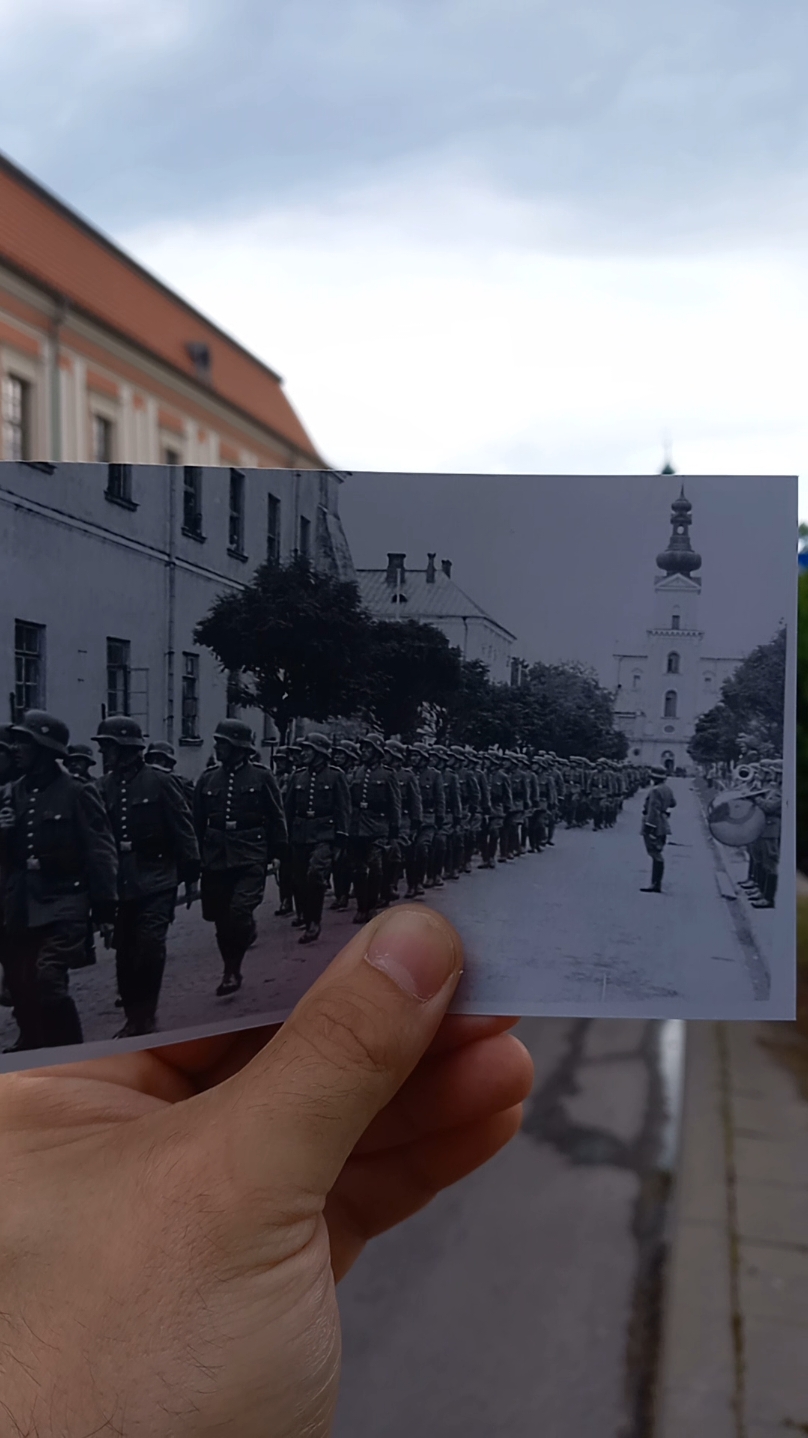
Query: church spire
{"x": 680, "y": 556}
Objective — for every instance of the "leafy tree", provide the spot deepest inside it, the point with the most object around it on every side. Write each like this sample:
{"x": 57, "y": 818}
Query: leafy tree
{"x": 715, "y": 738}
{"x": 410, "y": 665}
{"x": 299, "y": 638}
{"x": 750, "y": 710}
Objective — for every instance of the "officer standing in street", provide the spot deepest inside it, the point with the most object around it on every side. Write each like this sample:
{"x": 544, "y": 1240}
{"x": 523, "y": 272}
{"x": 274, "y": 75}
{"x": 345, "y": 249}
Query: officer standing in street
{"x": 656, "y": 826}
{"x": 240, "y": 826}
{"x": 157, "y": 851}
{"x": 57, "y": 857}
{"x": 375, "y": 821}
{"x": 318, "y": 816}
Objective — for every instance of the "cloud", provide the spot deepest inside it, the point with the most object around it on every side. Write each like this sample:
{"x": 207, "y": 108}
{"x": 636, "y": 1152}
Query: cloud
{"x": 409, "y": 352}
{"x": 639, "y": 123}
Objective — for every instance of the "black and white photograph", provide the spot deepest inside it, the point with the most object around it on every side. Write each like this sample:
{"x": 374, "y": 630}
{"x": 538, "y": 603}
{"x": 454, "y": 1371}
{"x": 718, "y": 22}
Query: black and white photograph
{"x": 248, "y": 709}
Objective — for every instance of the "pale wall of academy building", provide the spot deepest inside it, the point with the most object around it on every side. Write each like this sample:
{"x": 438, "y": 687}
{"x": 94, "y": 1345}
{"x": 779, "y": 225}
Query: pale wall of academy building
{"x": 79, "y": 571}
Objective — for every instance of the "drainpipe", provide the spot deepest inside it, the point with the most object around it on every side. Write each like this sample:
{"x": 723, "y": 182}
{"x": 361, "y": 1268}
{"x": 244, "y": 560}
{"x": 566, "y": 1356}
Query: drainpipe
{"x": 55, "y": 384}
{"x": 172, "y": 600}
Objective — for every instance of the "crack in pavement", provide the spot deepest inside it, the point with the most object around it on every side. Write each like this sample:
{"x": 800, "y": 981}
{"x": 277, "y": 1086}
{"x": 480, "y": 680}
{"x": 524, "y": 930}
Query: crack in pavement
{"x": 586, "y": 1145}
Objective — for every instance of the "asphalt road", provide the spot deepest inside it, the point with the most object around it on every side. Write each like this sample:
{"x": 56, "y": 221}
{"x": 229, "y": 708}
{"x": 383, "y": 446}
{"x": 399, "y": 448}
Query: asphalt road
{"x": 524, "y": 1302}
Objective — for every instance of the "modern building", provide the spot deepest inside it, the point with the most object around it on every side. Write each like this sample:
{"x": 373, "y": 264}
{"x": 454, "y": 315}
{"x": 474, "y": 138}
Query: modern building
{"x": 105, "y": 570}
{"x": 672, "y": 678}
{"x": 432, "y": 596}
{"x": 101, "y": 362}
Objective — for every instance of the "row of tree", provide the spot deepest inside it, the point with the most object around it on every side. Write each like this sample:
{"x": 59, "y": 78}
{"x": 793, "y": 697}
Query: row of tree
{"x": 749, "y": 713}
{"x": 305, "y": 647}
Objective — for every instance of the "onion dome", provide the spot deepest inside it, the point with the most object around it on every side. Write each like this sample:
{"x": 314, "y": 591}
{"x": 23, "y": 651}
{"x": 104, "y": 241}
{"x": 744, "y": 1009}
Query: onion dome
{"x": 680, "y": 557}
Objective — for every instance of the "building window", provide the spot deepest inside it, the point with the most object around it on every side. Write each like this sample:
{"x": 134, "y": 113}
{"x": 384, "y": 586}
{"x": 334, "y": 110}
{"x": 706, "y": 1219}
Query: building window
{"x": 675, "y": 621}
{"x": 235, "y": 541}
{"x": 305, "y": 537}
{"x": 16, "y": 418}
{"x": 29, "y": 666}
{"x": 673, "y": 663}
{"x": 171, "y": 456}
{"x": 119, "y": 676}
{"x": 273, "y": 530}
{"x": 192, "y": 501}
{"x": 190, "y": 697}
{"x": 636, "y": 679}
{"x": 233, "y": 694}
{"x": 670, "y": 704}
{"x": 102, "y": 439}
{"x": 119, "y": 484}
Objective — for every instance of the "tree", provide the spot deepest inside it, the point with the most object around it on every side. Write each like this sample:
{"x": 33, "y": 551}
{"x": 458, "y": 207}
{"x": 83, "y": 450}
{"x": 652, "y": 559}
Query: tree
{"x": 570, "y": 712}
{"x": 299, "y": 639}
{"x": 410, "y": 665}
{"x": 750, "y": 711}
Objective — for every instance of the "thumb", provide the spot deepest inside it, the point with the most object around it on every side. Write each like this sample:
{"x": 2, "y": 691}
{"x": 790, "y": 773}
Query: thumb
{"x": 302, "y": 1104}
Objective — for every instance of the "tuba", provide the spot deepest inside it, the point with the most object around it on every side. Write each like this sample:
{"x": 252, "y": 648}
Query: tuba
{"x": 734, "y": 817}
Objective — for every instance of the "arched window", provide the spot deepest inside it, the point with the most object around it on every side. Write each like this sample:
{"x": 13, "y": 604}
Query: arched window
{"x": 673, "y": 662}
{"x": 675, "y": 619}
{"x": 670, "y": 704}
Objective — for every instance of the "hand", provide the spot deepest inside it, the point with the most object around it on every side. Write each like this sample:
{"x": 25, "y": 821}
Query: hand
{"x": 191, "y": 894}
{"x": 173, "y": 1222}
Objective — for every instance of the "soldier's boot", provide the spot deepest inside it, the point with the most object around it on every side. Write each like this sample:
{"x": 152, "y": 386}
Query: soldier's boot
{"x": 315, "y": 898}
{"x": 232, "y": 952}
{"x": 61, "y": 1024}
{"x": 657, "y": 870}
{"x": 767, "y": 893}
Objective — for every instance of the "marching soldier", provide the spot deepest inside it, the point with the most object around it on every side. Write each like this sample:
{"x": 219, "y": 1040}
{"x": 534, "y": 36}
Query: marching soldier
{"x": 284, "y": 769}
{"x": 59, "y": 866}
{"x": 157, "y": 851}
{"x": 398, "y": 851}
{"x": 375, "y": 821}
{"x": 421, "y": 871}
{"x": 768, "y": 845}
{"x": 345, "y": 756}
{"x": 318, "y": 813}
{"x": 481, "y": 773}
{"x": 455, "y": 814}
{"x": 499, "y": 788}
{"x": 240, "y": 826}
{"x": 656, "y": 826}
{"x": 160, "y": 755}
{"x": 78, "y": 762}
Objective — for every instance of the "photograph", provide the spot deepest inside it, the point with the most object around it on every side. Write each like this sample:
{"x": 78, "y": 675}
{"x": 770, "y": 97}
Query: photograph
{"x": 250, "y": 708}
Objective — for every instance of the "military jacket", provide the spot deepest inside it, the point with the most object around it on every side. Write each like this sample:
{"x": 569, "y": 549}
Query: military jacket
{"x": 519, "y": 791}
{"x": 157, "y": 847}
{"x": 318, "y": 806}
{"x": 59, "y": 861}
{"x": 454, "y": 799}
{"x": 655, "y": 809}
{"x": 375, "y": 803}
{"x": 772, "y": 805}
{"x": 433, "y": 799}
{"x": 500, "y": 791}
{"x": 239, "y": 817}
{"x": 485, "y": 793}
{"x": 469, "y": 790}
{"x": 412, "y": 809}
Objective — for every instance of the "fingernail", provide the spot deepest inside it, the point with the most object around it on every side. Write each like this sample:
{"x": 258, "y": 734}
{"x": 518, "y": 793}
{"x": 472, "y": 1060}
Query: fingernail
{"x": 415, "y": 950}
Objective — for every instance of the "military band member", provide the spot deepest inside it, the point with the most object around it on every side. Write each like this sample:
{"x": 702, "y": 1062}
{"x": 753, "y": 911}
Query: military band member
{"x": 58, "y": 861}
{"x": 375, "y": 821}
{"x": 157, "y": 851}
{"x": 240, "y": 825}
{"x": 768, "y": 845}
{"x": 656, "y": 826}
{"x": 318, "y": 812}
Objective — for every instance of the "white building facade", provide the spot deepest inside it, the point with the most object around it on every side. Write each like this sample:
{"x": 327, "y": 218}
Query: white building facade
{"x": 666, "y": 683}
{"x": 105, "y": 570}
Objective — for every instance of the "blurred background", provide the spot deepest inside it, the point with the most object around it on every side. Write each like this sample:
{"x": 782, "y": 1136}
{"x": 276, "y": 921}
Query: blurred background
{"x": 471, "y": 235}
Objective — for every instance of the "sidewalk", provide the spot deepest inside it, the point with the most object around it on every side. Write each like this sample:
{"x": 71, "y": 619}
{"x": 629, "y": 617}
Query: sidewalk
{"x": 734, "y": 1362}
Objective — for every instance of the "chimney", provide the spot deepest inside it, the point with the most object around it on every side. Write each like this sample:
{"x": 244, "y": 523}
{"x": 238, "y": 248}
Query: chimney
{"x": 446, "y": 566}
{"x": 430, "y": 569}
{"x": 395, "y": 569}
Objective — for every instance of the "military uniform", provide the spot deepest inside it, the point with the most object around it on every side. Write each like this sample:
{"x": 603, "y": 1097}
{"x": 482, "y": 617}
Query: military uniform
{"x": 318, "y": 807}
{"x": 157, "y": 851}
{"x": 240, "y": 825}
{"x": 454, "y": 826}
{"x": 59, "y": 865}
{"x": 397, "y": 857}
{"x": 655, "y": 830}
{"x": 375, "y": 821}
{"x": 499, "y": 788}
{"x": 346, "y": 758}
{"x": 421, "y": 873}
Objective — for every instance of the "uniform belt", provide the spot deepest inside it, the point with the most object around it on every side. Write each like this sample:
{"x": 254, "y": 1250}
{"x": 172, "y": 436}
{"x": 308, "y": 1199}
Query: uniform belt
{"x": 232, "y": 826}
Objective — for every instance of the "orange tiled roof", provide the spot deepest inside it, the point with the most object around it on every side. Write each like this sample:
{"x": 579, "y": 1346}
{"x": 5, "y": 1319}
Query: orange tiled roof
{"x": 44, "y": 239}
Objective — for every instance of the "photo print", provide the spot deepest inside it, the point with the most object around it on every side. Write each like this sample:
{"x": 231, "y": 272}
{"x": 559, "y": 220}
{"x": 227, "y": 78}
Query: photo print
{"x": 246, "y": 709}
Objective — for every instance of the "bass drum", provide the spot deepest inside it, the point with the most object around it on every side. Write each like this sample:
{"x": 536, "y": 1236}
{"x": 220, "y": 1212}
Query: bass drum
{"x": 735, "y": 819}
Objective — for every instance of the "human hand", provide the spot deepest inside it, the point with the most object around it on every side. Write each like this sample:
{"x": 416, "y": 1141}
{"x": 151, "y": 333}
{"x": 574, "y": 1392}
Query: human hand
{"x": 173, "y": 1221}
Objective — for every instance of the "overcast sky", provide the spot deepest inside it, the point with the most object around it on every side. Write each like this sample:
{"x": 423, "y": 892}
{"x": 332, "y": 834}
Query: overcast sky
{"x": 570, "y": 589}
{"x": 473, "y": 235}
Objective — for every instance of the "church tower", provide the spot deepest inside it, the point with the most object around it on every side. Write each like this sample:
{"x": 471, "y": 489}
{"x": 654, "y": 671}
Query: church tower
{"x": 667, "y": 682}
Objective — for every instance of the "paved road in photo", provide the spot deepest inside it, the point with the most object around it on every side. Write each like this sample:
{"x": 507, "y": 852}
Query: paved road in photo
{"x": 568, "y": 926}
